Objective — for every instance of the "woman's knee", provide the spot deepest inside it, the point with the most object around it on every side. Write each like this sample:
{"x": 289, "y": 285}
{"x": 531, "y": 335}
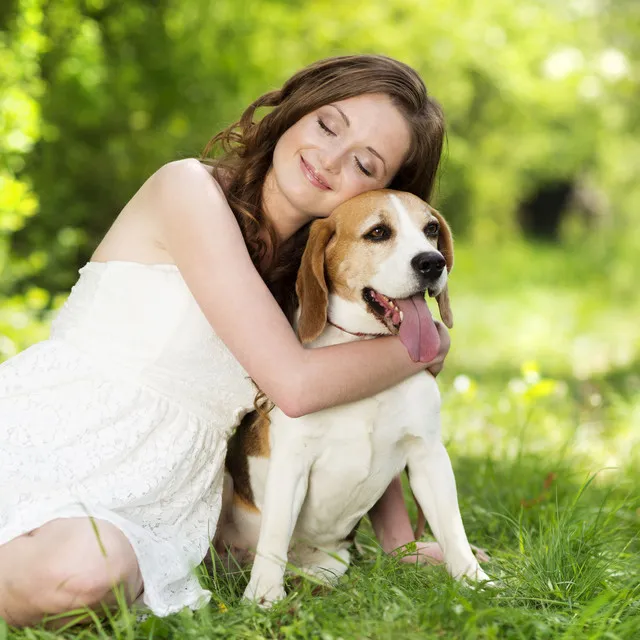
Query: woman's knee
{"x": 65, "y": 588}
{"x": 62, "y": 567}
{"x": 92, "y": 563}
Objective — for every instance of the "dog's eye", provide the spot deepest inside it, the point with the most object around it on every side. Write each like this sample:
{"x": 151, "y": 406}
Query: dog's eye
{"x": 432, "y": 229}
{"x": 381, "y": 232}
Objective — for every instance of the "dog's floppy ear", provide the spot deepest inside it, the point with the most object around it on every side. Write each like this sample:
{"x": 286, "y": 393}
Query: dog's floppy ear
{"x": 445, "y": 239}
{"x": 311, "y": 285}
{"x": 445, "y": 247}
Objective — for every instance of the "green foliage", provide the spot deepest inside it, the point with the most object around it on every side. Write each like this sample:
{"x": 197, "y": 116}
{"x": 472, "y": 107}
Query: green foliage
{"x": 96, "y": 94}
{"x": 531, "y": 91}
{"x": 21, "y": 90}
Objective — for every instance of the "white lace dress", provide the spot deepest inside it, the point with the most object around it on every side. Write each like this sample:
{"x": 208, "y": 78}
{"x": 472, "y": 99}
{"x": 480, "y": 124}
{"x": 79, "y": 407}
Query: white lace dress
{"x": 124, "y": 414}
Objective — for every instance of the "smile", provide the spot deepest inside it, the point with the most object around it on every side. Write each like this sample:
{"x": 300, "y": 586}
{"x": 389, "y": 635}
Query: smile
{"x": 312, "y": 176}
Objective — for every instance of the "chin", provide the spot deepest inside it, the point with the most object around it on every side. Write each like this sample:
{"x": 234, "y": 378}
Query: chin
{"x": 304, "y": 199}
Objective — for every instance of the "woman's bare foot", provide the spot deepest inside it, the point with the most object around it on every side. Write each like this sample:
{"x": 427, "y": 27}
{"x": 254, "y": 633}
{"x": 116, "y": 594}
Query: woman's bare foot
{"x": 430, "y": 553}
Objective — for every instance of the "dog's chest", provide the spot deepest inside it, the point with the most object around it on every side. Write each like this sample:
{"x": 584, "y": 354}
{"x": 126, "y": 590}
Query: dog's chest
{"x": 354, "y": 451}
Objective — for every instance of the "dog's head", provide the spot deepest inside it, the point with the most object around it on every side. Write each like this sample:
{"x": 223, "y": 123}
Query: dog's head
{"x": 371, "y": 262}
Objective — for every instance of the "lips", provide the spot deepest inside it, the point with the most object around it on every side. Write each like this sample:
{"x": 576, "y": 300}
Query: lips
{"x": 314, "y": 178}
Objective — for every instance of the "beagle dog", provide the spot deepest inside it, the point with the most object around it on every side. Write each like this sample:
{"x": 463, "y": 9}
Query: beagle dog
{"x": 300, "y": 485}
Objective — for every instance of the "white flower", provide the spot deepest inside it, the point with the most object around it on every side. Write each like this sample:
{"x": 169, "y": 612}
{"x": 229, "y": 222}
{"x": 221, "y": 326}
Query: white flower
{"x": 613, "y": 64}
{"x": 462, "y": 384}
{"x": 563, "y": 62}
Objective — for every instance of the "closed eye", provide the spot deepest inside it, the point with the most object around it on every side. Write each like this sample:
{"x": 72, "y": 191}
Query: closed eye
{"x": 361, "y": 168}
{"x": 326, "y": 129}
{"x": 358, "y": 164}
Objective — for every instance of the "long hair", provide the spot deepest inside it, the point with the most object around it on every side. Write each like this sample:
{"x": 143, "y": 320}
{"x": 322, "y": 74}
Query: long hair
{"x": 247, "y": 150}
{"x": 248, "y": 146}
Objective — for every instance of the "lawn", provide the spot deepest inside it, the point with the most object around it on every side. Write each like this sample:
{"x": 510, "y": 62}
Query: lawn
{"x": 541, "y": 398}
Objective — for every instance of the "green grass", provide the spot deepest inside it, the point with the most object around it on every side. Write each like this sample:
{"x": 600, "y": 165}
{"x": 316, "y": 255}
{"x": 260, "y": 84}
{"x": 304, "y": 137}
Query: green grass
{"x": 541, "y": 401}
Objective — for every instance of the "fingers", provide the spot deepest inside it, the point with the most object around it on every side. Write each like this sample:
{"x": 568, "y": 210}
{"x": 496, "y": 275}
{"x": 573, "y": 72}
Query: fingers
{"x": 437, "y": 364}
{"x": 435, "y": 369}
{"x": 445, "y": 339}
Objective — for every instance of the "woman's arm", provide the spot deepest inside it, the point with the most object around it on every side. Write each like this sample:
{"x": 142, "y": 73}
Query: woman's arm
{"x": 205, "y": 241}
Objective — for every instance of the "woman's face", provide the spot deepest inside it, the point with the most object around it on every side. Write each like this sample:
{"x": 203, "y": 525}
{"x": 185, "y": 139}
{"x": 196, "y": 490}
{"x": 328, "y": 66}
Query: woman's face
{"x": 339, "y": 151}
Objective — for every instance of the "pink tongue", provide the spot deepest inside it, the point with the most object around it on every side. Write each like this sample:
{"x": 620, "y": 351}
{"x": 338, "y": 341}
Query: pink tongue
{"x": 418, "y": 332}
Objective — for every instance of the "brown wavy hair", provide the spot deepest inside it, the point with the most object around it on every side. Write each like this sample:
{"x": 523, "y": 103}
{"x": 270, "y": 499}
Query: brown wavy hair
{"x": 247, "y": 150}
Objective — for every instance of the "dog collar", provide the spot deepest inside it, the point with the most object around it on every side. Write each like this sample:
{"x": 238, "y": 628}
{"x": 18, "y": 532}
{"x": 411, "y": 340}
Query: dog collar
{"x": 353, "y": 333}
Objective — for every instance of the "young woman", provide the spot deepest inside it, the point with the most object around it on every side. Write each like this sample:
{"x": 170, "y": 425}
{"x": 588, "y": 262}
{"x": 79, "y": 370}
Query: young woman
{"x": 114, "y": 430}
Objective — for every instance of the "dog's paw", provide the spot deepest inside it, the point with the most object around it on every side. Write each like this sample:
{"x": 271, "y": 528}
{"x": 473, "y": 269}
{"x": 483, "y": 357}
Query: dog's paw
{"x": 471, "y": 571}
{"x": 475, "y": 576}
{"x": 264, "y": 594}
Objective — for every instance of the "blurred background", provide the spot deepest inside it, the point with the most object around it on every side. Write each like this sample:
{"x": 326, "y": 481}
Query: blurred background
{"x": 539, "y": 179}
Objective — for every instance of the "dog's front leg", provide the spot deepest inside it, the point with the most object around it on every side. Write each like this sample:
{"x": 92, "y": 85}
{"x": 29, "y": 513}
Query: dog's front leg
{"x": 433, "y": 483}
{"x": 285, "y": 491}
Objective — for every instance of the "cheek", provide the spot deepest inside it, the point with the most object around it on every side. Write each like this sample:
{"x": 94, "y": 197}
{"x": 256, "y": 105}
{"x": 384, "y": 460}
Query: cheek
{"x": 280, "y": 151}
{"x": 290, "y": 141}
{"x": 307, "y": 134}
{"x": 355, "y": 182}
{"x": 354, "y": 271}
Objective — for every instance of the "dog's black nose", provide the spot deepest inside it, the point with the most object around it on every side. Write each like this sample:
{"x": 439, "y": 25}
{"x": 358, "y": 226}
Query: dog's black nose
{"x": 428, "y": 264}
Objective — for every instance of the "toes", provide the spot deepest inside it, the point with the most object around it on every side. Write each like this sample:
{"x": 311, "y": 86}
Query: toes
{"x": 425, "y": 552}
{"x": 481, "y": 554}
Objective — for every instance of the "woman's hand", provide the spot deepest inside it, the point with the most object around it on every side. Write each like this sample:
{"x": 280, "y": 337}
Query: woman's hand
{"x": 436, "y": 365}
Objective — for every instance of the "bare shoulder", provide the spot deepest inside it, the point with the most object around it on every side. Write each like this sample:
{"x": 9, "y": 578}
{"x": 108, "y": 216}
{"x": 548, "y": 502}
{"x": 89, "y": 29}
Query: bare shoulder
{"x": 183, "y": 189}
{"x": 184, "y": 193}
{"x": 188, "y": 168}
{"x": 187, "y": 179}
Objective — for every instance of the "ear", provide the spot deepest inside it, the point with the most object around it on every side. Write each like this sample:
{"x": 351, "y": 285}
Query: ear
{"x": 311, "y": 285}
{"x": 444, "y": 306}
{"x": 445, "y": 247}
{"x": 445, "y": 239}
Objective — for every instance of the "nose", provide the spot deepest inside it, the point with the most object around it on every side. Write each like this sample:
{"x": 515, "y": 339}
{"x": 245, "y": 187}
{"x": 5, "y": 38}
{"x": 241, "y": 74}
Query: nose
{"x": 428, "y": 264}
{"x": 330, "y": 161}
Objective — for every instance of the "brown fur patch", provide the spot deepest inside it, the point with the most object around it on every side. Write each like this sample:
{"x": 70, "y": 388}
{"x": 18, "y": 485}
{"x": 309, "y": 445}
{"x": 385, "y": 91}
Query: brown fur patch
{"x": 311, "y": 284}
{"x": 251, "y": 438}
{"x": 445, "y": 239}
{"x": 240, "y": 501}
{"x": 445, "y": 247}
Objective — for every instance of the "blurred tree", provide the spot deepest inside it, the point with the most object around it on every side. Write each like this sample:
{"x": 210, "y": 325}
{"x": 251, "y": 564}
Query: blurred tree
{"x": 21, "y": 46}
{"x": 96, "y": 94}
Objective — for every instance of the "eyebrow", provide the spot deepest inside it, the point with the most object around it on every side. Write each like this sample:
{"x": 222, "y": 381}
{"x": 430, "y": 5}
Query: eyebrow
{"x": 378, "y": 217}
{"x": 348, "y": 123}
